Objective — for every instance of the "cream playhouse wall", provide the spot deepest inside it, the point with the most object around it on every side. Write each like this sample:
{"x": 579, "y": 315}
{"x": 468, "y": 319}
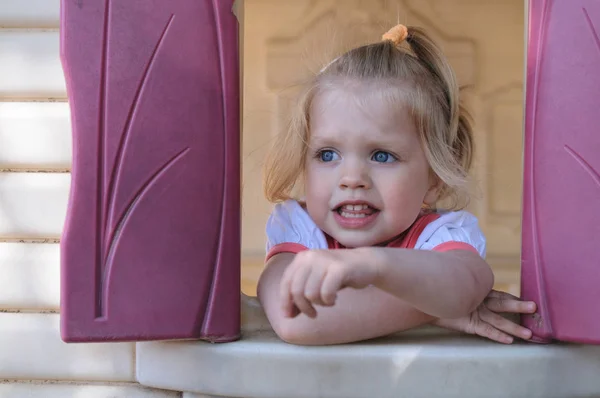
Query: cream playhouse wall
{"x": 484, "y": 41}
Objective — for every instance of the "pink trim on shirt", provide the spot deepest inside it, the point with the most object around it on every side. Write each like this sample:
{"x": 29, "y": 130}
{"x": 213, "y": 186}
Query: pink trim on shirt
{"x": 287, "y": 247}
{"x": 453, "y": 245}
{"x": 416, "y": 230}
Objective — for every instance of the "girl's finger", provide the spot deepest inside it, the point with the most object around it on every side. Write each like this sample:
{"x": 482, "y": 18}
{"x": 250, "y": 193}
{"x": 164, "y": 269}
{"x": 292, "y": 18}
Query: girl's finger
{"x": 297, "y": 289}
{"x": 498, "y": 294}
{"x": 295, "y": 311}
{"x": 502, "y": 295}
{"x": 487, "y": 330}
{"x": 504, "y": 324}
{"x": 332, "y": 283}
{"x": 510, "y": 305}
{"x": 312, "y": 289}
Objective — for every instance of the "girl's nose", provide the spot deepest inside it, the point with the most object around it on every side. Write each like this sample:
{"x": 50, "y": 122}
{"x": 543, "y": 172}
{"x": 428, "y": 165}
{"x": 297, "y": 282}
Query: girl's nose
{"x": 355, "y": 175}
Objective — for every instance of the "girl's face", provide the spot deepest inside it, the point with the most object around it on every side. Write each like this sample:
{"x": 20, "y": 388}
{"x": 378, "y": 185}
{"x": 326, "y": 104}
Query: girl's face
{"x": 367, "y": 176}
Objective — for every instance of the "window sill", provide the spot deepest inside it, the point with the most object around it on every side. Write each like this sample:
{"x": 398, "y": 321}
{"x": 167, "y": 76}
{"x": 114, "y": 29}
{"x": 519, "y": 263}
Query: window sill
{"x": 428, "y": 362}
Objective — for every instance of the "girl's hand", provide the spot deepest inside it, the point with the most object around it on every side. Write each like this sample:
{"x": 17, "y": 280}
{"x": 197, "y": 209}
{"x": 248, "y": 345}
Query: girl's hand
{"x": 315, "y": 276}
{"x": 486, "y": 322}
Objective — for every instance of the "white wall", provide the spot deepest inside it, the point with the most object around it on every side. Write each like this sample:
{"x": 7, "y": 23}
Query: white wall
{"x": 35, "y": 158}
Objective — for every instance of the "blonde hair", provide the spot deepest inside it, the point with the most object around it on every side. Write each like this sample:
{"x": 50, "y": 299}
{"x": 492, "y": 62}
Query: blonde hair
{"x": 409, "y": 58}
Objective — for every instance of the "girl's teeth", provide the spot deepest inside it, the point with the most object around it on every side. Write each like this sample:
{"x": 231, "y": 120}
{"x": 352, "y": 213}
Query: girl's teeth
{"x": 355, "y": 211}
{"x": 353, "y": 215}
{"x": 355, "y": 207}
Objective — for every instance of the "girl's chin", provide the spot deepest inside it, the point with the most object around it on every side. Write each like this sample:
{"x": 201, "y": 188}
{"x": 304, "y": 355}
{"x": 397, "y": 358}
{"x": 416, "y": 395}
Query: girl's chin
{"x": 355, "y": 239}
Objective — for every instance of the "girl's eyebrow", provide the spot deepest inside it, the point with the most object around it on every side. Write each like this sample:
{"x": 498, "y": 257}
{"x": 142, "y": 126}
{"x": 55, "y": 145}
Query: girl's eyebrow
{"x": 327, "y": 139}
{"x": 380, "y": 140}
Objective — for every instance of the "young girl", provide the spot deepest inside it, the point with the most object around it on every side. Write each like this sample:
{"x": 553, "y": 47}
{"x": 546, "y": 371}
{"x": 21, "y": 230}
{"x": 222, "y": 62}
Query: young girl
{"x": 378, "y": 140}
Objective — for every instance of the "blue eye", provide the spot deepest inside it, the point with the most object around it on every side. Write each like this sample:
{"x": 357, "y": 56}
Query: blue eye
{"x": 327, "y": 155}
{"x": 383, "y": 157}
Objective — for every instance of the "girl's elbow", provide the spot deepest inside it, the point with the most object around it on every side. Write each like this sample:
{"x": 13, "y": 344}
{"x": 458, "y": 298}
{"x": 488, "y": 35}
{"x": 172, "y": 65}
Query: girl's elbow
{"x": 481, "y": 283}
{"x": 293, "y": 333}
{"x": 483, "y": 278}
{"x": 291, "y": 336}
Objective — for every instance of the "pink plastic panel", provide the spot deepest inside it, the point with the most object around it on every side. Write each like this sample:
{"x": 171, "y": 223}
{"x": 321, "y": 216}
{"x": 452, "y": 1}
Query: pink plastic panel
{"x": 151, "y": 245}
{"x": 561, "y": 212}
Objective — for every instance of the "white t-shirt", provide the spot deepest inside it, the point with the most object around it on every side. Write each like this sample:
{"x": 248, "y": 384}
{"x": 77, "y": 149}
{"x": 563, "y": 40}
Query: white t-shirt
{"x": 290, "y": 229}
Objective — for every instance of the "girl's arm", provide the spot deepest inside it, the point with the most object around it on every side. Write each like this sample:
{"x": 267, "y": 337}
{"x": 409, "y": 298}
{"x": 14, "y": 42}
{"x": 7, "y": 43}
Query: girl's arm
{"x": 442, "y": 284}
{"x": 409, "y": 288}
{"x": 358, "y": 314}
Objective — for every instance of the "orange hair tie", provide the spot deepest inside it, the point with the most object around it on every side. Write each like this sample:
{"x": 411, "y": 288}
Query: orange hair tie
{"x": 396, "y": 35}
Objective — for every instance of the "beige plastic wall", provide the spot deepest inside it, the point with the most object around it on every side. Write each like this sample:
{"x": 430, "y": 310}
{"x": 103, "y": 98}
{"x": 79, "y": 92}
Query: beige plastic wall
{"x": 484, "y": 41}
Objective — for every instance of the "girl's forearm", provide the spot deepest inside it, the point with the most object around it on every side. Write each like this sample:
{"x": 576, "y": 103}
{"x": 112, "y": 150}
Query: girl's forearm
{"x": 442, "y": 284}
{"x": 357, "y": 315}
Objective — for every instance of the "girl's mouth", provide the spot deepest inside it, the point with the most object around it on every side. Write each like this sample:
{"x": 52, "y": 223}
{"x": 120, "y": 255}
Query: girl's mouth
{"x": 356, "y": 211}
{"x": 355, "y": 215}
